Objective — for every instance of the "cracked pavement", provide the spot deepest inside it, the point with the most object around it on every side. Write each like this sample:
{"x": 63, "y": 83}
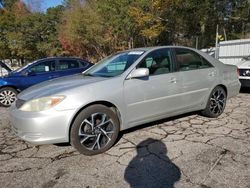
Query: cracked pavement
{"x": 184, "y": 151}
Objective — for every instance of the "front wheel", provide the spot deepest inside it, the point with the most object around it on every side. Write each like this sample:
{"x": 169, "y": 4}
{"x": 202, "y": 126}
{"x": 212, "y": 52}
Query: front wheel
{"x": 216, "y": 103}
{"x": 7, "y": 96}
{"x": 94, "y": 130}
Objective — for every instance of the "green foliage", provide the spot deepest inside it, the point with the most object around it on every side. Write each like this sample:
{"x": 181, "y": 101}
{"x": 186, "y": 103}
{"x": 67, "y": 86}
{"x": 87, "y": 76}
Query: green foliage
{"x": 96, "y": 28}
{"x": 100, "y": 27}
{"x": 27, "y": 36}
{"x": 8, "y": 3}
{"x": 239, "y": 19}
{"x": 149, "y": 23}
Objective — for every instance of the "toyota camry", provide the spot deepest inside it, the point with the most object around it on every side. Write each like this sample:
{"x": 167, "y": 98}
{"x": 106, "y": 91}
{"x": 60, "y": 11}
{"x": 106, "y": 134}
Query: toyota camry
{"x": 124, "y": 90}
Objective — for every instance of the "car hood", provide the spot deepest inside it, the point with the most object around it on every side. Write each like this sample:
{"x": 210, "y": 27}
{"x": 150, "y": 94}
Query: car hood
{"x": 53, "y": 87}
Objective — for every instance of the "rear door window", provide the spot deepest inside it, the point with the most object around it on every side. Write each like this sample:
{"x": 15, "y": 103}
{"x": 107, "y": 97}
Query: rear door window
{"x": 189, "y": 60}
{"x": 83, "y": 63}
{"x": 67, "y": 64}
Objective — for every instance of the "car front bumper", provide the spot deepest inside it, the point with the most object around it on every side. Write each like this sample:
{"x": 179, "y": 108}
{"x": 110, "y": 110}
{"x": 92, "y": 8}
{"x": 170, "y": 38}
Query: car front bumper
{"x": 47, "y": 127}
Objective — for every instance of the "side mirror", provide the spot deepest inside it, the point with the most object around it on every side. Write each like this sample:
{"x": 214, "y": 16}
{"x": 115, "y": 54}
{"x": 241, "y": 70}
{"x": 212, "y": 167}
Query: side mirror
{"x": 138, "y": 73}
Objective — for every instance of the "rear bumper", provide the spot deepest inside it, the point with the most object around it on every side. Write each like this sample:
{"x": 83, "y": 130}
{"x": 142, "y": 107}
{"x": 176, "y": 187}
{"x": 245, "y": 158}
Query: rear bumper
{"x": 245, "y": 82}
{"x": 233, "y": 88}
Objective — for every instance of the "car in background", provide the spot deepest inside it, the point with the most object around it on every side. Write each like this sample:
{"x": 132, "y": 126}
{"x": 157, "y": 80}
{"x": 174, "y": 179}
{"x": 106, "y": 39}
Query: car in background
{"x": 36, "y": 72}
{"x": 244, "y": 71}
{"x": 122, "y": 91}
{"x": 4, "y": 69}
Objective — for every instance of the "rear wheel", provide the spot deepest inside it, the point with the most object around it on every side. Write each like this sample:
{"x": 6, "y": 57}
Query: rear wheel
{"x": 216, "y": 103}
{"x": 94, "y": 130}
{"x": 7, "y": 96}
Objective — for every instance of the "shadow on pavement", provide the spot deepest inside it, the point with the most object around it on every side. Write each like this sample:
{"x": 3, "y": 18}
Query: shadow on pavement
{"x": 151, "y": 167}
{"x": 150, "y": 124}
{"x": 65, "y": 144}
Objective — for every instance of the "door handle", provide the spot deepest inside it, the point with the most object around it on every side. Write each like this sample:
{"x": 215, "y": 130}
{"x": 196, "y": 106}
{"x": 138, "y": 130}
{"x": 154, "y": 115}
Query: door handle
{"x": 173, "y": 80}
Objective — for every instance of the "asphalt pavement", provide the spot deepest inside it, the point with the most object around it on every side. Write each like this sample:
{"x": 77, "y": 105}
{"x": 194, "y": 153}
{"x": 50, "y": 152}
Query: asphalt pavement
{"x": 183, "y": 151}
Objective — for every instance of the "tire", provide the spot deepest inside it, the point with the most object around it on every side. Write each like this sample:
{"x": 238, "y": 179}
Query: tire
{"x": 216, "y": 103}
{"x": 8, "y": 96}
{"x": 94, "y": 130}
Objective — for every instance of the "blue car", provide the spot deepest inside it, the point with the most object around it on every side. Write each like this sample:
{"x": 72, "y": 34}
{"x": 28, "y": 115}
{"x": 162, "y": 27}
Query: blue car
{"x": 36, "y": 72}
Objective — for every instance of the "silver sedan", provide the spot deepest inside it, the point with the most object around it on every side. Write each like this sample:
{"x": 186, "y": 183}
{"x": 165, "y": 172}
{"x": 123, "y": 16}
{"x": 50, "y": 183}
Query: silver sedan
{"x": 122, "y": 91}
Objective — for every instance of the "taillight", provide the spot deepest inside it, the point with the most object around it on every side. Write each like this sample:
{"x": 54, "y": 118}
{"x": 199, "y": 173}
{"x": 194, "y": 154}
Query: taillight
{"x": 238, "y": 72}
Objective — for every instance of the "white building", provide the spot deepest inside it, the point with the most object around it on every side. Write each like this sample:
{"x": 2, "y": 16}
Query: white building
{"x": 232, "y": 51}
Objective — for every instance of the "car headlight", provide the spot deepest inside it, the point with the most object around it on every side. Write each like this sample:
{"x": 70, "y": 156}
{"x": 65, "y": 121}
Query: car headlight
{"x": 41, "y": 104}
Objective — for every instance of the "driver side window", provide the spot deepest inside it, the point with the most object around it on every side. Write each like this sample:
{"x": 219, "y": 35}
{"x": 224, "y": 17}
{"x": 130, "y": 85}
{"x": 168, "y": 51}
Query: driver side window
{"x": 46, "y": 66}
{"x": 158, "y": 62}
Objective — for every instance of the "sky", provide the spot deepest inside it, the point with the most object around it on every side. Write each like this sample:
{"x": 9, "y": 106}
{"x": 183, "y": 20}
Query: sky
{"x": 44, "y": 4}
{"x": 50, "y": 3}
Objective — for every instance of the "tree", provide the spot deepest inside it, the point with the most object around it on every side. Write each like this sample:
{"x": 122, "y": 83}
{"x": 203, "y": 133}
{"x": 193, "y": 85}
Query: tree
{"x": 6, "y": 24}
{"x": 77, "y": 30}
{"x": 238, "y": 23}
{"x": 96, "y": 28}
{"x": 49, "y": 43}
{"x": 7, "y": 4}
{"x": 149, "y": 23}
{"x": 29, "y": 35}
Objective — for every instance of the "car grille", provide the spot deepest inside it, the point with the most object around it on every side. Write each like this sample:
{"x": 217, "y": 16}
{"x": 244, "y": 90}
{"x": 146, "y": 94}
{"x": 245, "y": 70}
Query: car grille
{"x": 19, "y": 103}
{"x": 245, "y": 72}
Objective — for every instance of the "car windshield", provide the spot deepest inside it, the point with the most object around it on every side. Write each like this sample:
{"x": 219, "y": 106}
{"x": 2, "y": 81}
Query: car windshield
{"x": 22, "y": 68}
{"x": 114, "y": 65}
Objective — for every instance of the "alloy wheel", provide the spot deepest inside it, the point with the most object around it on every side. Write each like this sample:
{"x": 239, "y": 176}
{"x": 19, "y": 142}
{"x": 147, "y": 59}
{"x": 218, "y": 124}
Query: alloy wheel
{"x": 96, "y": 131}
{"x": 7, "y": 97}
{"x": 217, "y": 101}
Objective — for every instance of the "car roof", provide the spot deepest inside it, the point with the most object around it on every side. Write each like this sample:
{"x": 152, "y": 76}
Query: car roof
{"x": 55, "y": 58}
{"x": 156, "y": 47}
{"x": 48, "y": 58}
